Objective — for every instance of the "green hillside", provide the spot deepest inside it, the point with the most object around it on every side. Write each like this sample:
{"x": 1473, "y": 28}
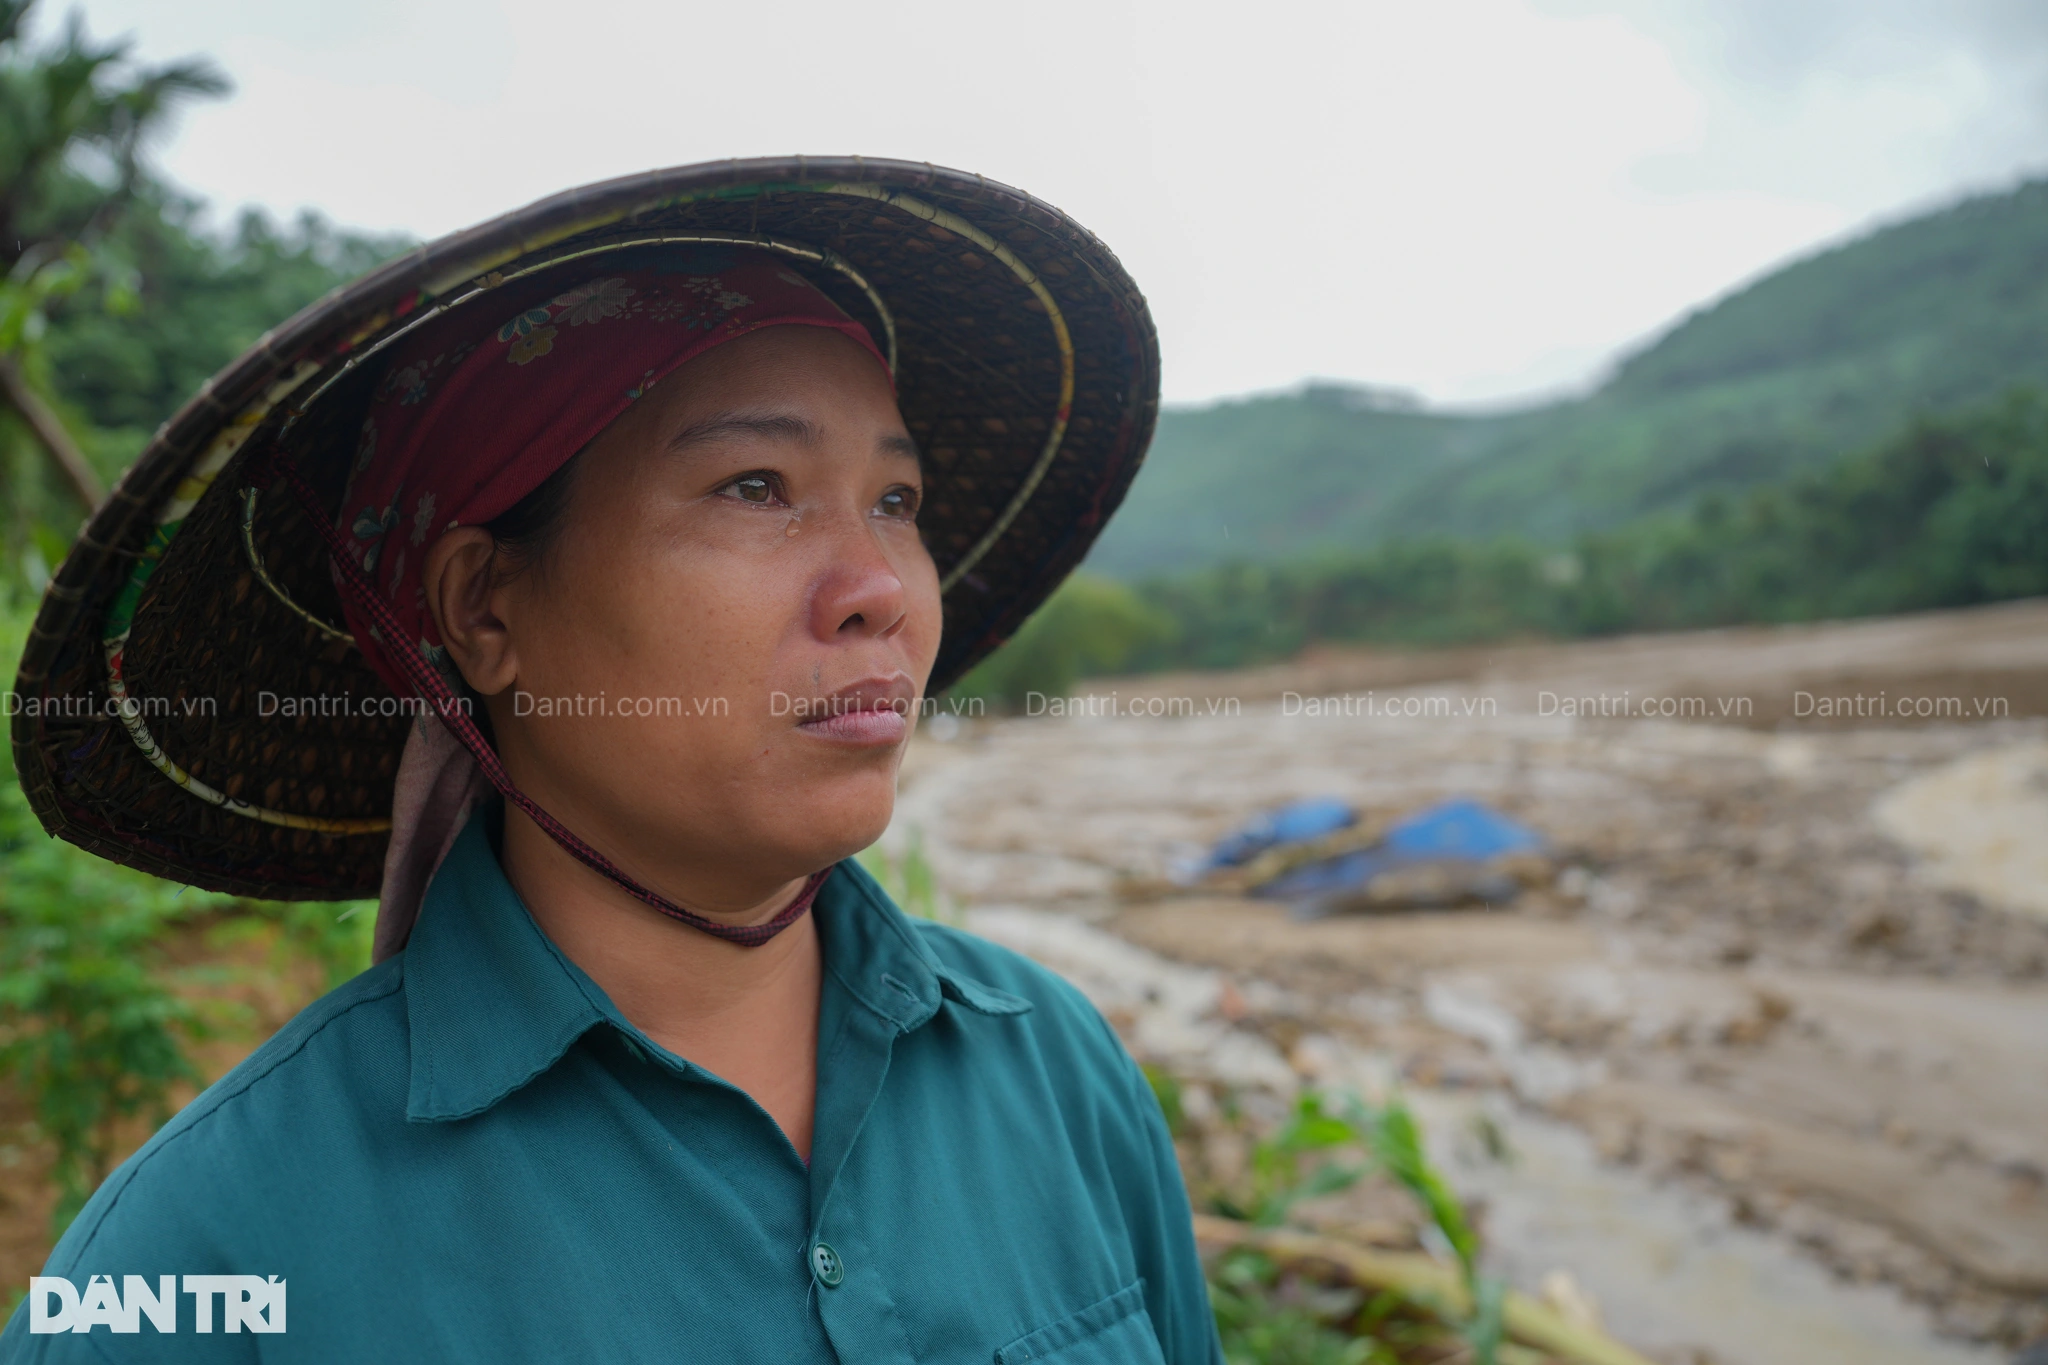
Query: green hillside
{"x": 1822, "y": 357}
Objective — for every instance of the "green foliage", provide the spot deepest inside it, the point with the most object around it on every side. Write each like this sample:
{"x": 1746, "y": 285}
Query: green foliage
{"x": 1281, "y": 1177}
{"x": 336, "y": 937}
{"x": 26, "y": 296}
{"x": 1944, "y": 513}
{"x": 74, "y": 118}
{"x": 202, "y": 298}
{"x": 1166, "y": 1091}
{"x": 333, "y": 937}
{"x": 89, "y": 1029}
{"x": 95, "y": 1020}
{"x": 1263, "y": 1317}
{"x": 115, "y": 303}
{"x": 908, "y": 878}
{"x": 160, "y": 306}
{"x": 1391, "y": 1135}
{"x": 118, "y": 301}
{"x": 87, "y": 1026}
{"x": 1436, "y": 592}
{"x": 1826, "y": 355}
{"x": 1089, "y": 626}
{"x": 1265, "y": 1322}
{"x": 1270, "y": 478}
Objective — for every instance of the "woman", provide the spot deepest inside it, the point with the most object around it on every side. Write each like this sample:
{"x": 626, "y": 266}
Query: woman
{"x": 669, "y": 502}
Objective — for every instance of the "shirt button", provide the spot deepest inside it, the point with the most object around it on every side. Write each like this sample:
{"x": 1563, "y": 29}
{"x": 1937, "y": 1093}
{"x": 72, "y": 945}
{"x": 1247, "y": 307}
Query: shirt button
{"x": 826, "y": 1265}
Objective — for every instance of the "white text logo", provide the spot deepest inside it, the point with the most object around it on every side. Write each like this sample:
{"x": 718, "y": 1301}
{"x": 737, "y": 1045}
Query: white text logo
{"x": 246, "y": 1301}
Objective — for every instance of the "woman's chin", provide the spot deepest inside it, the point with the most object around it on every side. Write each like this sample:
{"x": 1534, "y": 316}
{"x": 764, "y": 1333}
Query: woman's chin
{"x": 831, "y": 818}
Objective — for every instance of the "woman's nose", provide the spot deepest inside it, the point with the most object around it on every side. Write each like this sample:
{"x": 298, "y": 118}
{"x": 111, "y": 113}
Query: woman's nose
{"x": 858, "y": 588}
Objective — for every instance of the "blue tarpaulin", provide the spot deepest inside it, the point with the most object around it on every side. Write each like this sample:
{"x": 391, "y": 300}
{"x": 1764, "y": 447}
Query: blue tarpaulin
{"x": 1460, "y": 830}
{"x": 1341, "y": 873}
{"x": 1304, "y": 820}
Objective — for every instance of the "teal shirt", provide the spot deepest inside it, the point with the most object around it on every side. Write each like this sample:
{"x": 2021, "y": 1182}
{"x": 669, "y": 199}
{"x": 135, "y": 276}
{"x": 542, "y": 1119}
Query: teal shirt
{"x": 468, "y": 1154}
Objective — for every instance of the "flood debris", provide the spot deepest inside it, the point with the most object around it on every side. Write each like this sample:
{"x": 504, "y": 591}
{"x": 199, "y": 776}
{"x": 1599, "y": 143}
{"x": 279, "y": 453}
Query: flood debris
{"x": 1768, "y": 1040}
{"x": 1543, "y": 1331}
{"x": 1298, "y": 822}
{"x": 1454, "y": 853}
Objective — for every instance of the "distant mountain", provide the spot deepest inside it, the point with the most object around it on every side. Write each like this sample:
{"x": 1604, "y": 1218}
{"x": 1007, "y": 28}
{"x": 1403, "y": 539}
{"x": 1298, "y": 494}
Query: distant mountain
{"x": 1819, "y": 358}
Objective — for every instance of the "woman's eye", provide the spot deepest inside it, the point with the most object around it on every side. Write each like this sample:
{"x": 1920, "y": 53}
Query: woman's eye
{"x": 900, "y": 502}
{"x": 756, "y": 488}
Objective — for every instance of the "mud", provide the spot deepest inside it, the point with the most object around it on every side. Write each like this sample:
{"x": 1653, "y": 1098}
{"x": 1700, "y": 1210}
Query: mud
{"x": 1775, "y": 1039}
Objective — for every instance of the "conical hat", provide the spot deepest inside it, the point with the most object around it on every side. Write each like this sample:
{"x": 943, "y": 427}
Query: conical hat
{"x": 154, "y": 723}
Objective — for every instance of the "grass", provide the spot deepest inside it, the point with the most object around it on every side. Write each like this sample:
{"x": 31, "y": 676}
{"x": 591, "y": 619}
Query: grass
{"x": 907, "y": 877}
{"x": 1286, "y": 1298}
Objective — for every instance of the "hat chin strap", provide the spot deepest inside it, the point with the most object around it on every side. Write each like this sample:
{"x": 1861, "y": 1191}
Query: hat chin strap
{"x": 453, "y": 713}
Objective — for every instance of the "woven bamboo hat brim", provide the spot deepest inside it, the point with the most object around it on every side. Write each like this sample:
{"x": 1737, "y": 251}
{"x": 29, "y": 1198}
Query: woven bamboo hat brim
{"x": 1027, "y": 370}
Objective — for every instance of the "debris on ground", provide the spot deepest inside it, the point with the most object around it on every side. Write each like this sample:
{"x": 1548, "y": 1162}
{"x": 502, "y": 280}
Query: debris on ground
{"x": 1454, "y": 853}
{"x": 1295, "y": 823}
{"x": 1765, "y": 1032}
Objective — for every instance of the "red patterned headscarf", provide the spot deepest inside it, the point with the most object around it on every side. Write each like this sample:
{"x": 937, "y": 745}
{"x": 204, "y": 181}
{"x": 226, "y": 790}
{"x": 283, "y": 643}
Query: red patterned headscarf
{"x": 477, "y": 408}
{"x": 474, "y": 411}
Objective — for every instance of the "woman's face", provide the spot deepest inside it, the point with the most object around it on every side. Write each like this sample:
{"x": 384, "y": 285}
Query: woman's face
{"x": 719, "y": 658}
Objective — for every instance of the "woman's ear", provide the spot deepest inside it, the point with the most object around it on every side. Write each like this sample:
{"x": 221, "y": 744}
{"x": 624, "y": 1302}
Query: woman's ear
{"x": 462, "y": 597}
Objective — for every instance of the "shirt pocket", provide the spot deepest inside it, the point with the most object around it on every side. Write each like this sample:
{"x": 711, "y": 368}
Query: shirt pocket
{"x": 1112, "y": 1331}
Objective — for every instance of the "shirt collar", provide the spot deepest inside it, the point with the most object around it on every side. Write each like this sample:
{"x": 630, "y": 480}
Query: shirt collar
{"x": 492, "y": 1002}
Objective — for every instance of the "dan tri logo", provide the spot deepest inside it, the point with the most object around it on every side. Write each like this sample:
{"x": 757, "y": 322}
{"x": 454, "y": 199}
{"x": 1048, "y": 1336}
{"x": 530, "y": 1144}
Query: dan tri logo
{"x": 246, "y": 1301}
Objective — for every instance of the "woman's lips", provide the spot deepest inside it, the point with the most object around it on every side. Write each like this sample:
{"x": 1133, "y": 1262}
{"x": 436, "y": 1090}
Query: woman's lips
{"x": 885, "y": 726}
{"x": 873, "y": 711}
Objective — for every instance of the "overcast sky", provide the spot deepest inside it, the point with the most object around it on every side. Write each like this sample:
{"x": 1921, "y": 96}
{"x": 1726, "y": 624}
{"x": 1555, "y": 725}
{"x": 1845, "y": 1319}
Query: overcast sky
{"x": 1477, "y": 200}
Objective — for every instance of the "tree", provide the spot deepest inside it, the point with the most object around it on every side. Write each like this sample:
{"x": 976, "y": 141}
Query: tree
{"x": 75, "y": 117}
